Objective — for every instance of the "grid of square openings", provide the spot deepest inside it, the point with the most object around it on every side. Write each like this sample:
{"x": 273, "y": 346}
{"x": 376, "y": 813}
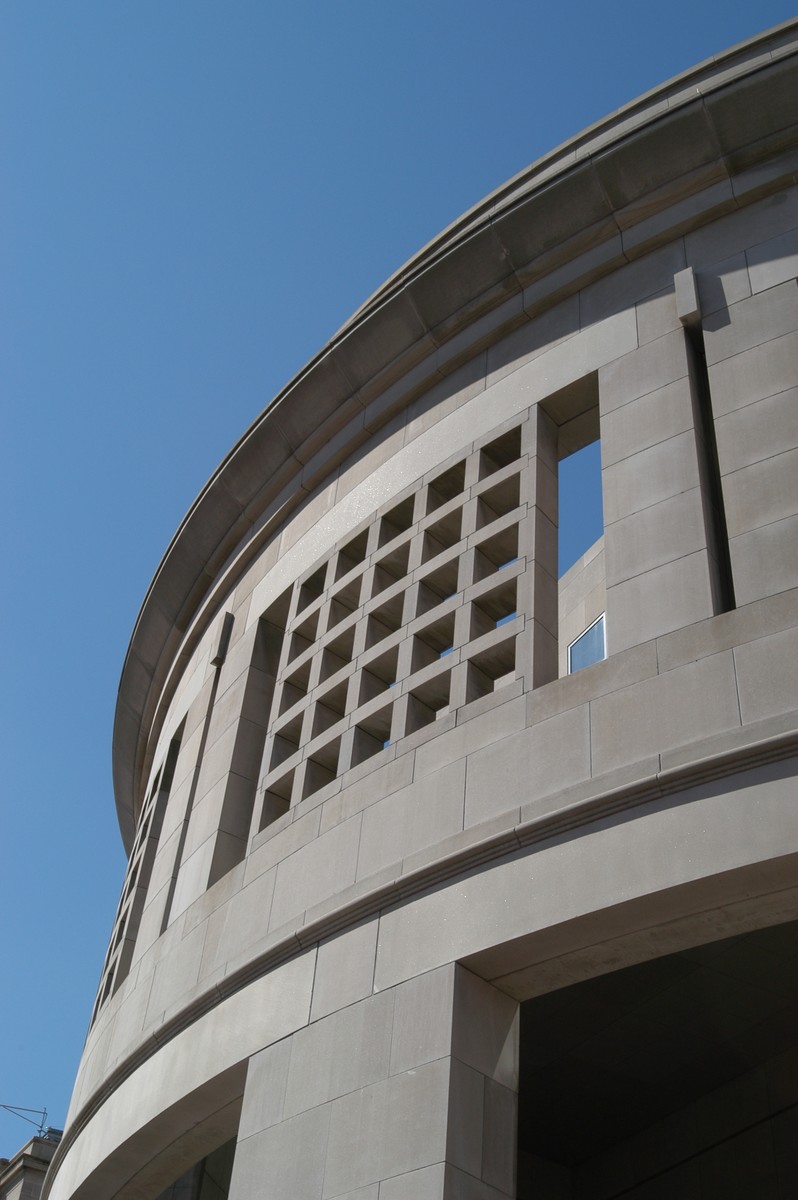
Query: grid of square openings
{"x": 412, "y": 617}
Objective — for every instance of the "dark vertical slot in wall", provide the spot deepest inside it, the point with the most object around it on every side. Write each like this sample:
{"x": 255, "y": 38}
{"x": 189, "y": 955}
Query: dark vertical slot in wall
{"x": 137, "y": 879}
{"x": 709, "y": 473}
{"x": 239, "y": 801}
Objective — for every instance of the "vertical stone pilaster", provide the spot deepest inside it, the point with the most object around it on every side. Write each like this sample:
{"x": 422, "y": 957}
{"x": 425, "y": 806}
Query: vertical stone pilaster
{"x": 537, "y": 587}
{"x": 411, "y": 1092}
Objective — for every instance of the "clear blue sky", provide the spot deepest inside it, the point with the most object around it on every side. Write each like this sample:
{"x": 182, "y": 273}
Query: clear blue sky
{"x": 194, "y": 197}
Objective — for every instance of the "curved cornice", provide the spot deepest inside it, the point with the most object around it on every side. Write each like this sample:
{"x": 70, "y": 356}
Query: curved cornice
{"x": 604, "y": 188}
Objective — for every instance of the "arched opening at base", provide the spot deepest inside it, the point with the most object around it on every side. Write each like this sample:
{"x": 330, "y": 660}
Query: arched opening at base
{"x": 676, "y": 1077}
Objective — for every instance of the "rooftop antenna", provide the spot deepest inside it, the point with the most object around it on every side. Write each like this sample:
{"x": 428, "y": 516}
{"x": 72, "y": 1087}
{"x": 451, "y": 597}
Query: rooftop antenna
{"x": 20, "y": 1112}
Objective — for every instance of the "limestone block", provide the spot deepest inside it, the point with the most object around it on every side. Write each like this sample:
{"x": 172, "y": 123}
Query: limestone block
{"x": 685, "y": 705}
{"x": 533, "y": 338}
{"x": 241, "y": 922}
{"x": 410, "y": 819}
{"x": 650, "y": 476}
{"x": 657, "y": 315}
{"x": 387, "y": 1129}
{"x": 666, "y": 531}
{"x": 344, "y": 968}
{"x": 489, "y": 727}
{"x": 642, "y": 371}
{"x": 758, "y": 431}
{"x": 422, "y": 1025}
{"x": 759, "y": 319}
{"x": 664, "y": 598}
{"x": 320, "y": 869}
{"x": 346, "y": 1051}
{"x": 761, "y": 493}
{"x": 723, "y": 285}
{"x": 774, "y": 261}
{"x": 498, "y": 1136}
{"x": 749, "y": 226}
{"x": 528, "y": 765}
{"x": 485, "y": 1030}
{"x": 656, "y": 417}
{"x": 175, "y": 974}
{"x": 626, "y": 287}
{"x": 767, "y": 679}
{"x": 282, "y": 844}
{"x": 754, "y": 374}
{"x": 283, "y": 1160}
{"x": 267, "y": 1076}
{"x": 765, "y": 561}
{"x": 466, "y": 1116}
{"x": 425, "y": 1184}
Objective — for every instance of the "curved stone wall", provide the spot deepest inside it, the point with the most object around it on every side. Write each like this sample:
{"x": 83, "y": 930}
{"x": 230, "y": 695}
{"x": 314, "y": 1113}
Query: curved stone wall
{"x": 369, "y": 812}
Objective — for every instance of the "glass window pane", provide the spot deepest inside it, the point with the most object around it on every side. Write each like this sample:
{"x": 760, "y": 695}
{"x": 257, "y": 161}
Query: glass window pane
{"x": 588, "y": 647}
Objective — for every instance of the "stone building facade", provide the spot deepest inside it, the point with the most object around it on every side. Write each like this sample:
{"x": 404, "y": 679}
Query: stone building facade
{"x": 414, "y": 908}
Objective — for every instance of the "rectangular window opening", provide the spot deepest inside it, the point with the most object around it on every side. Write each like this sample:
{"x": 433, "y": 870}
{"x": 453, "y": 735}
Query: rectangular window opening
{"x": 391, "y": 567}
{"x": 498, "y": 501}
{"x": 352, "y": 555}
{"x": 496, "y": 552}
{"x": 491, "y": 670}
{"x": 378, "y": 675}
{"x": 321, "y": 768}
{"x": 436, "y": 587}
{"x": 276, "y": 800}
{"x": 500, "y": 452}
{"x": 447, "y": 485}
{"x": 493, "y": 609}
{"x": 433, "y": 642}
{"x": 429, "y": 702}
{"x": 312, "y": 588}
{"x": 398, "y": 520}
{"x": 589, "y": 648}
{"x": 337, "y": 654}
{"x": 580, "y": 508}
{"x": 442, "y": 535}
{"x": 372, "y": 735}
{"x": 384, "y": 621}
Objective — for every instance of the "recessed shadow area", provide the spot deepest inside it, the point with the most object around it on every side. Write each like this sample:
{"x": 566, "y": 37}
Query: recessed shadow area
{"x": 674, "y": 1078}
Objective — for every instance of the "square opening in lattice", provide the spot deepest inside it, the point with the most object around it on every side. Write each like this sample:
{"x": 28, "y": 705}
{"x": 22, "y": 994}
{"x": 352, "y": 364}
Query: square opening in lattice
{"x": 433, "y": 642}
{"x": 428, "y": 702}
{"x": 321, "y": 768}
{"x": 337, "y": 653}
{"x": 312, "y": 588}
{"x": 384, "y": 621}
{"x": 397, "y": 521}
{"x": 500, "y": 453}
{"x": 295, "y": 687}
{"x": 276, "y": 799}
{"x": 442, "y": 535}
{"x": 493, "y": 609}
{"x": 496, "y": 552}
{"x": 447, "y": 485}
{"x": 352, "y": 555}
{"x": 372, "y": 734}
{"x": 303, "y": 636}
{"x": 491, "y": 669}
{"x": 329, "y": 708}
{"x": 436, "y": 587}
{"x": 378, "y": 675}
{"x": 286, "y": 741}
{"x": 497, "y": 501}
{"x": 391, "y": 567}
{"x": 344, "y": 602}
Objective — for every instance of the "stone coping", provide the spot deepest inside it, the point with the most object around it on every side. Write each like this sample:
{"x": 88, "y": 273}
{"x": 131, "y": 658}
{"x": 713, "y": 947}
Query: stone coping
{"x": 487, "y": 272}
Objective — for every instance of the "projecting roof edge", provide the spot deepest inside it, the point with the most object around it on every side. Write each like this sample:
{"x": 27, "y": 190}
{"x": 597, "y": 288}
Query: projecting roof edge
{"x": 703, "y": 119}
